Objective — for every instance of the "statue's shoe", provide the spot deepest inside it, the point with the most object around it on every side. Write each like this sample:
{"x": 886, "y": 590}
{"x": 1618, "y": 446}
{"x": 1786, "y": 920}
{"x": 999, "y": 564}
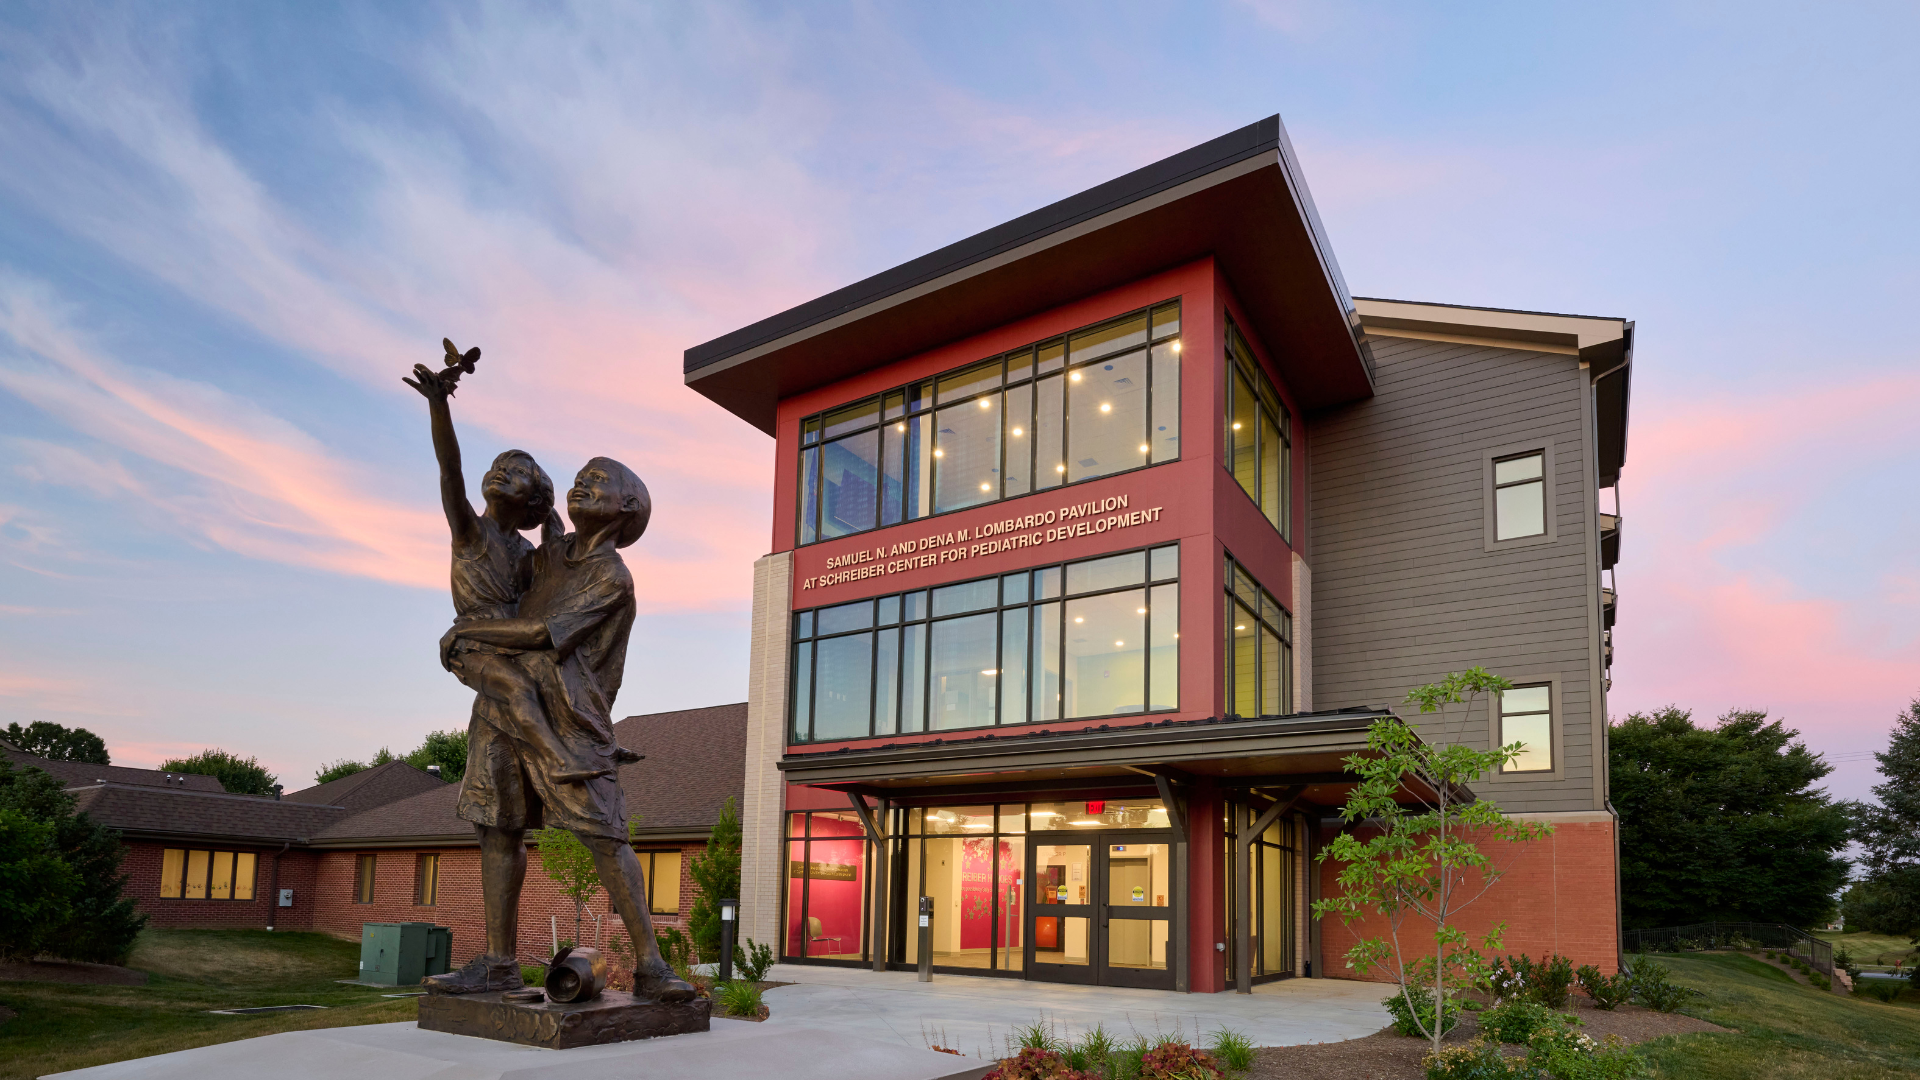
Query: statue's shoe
{"x": 659, "y": 983}
{"x": 483, "y": 974}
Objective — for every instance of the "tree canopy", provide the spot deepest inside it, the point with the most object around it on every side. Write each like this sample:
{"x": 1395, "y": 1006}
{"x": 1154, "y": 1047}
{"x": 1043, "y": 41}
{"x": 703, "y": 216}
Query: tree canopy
{"x": 74, "y": 909}
{"x": 1723, "y": 822}
{"x": 1887, "y": 899}
{"x": 242, "y": 776}
{"x": 447, "y": 749}
{"x": 59, "y": 742}
{"x": 717, "y": 873}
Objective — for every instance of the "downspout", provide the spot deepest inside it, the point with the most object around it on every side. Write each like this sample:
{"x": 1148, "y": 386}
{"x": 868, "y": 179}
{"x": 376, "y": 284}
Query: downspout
{"x": 273, "y": 894}
{"x": 1606, "y": 736}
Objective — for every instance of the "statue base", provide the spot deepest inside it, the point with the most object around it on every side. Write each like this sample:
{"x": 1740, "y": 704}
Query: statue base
{"x": 613, "y": 1017}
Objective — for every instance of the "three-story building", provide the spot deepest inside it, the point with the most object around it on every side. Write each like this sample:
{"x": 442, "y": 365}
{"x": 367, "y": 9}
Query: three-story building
{"x": 1101, "y": 538}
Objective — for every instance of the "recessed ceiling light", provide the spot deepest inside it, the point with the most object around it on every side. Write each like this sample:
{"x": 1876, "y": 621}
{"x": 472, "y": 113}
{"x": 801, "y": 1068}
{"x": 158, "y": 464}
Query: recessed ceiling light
{"x": 1176, "y": 346}
{"x": 1143, "y": 448}
{"x": 1075, "y": 376}
{"x": 1139, "y": 611}
{"x": 939, "y": 453}
{"x": 1236, "y": 425}
{"x": 1106, "y": 406}
{"x": 986, "y": 403}
{"x": 1017, "y": 432}
{"x": 985, "y": 487}
{"x": 1119, "y": 644}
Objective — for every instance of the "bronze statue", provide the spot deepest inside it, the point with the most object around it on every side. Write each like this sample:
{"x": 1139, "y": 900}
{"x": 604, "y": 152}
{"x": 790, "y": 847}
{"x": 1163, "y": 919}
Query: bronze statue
{"x": 540, "y": 635}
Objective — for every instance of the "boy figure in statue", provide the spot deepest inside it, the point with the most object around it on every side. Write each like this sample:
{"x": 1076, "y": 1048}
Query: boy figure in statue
{"x": 548, "y": 755}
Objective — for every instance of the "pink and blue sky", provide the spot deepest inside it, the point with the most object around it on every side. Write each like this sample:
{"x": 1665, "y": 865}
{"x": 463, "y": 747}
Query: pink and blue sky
{"x": 227, "y": 230}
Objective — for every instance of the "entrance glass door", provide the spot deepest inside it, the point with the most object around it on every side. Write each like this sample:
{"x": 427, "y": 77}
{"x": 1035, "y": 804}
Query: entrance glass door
{"x": 1101, "y": 910}
{"x": 1062, "y": 912}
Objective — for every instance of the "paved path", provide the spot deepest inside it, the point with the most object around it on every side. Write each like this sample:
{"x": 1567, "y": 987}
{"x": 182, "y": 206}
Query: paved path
{"x": 976, "y": 1016}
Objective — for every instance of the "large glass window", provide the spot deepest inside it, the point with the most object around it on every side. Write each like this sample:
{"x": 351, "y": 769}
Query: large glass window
{"x": 1259, "y": 648}
{"x": 186, "y": 874}
{"x": 663, "y": 880}
{"x": 1097, "y": 401}
{"x": 1094, "y": 638}
{"x": 826, "y": 886}
{"x": 1526, "y": 717}
{"x": 1520, "y": 496}
{"x": 970, "y": 860}
{"x": 426, "y": 879}
{"x": 1259, "y": 436}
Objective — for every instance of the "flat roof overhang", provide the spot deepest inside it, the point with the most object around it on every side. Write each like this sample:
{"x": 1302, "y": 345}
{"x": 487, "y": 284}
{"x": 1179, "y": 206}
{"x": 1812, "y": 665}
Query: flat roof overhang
{"x": 1307, "y": 749}
{"x": 1240, "y": 198}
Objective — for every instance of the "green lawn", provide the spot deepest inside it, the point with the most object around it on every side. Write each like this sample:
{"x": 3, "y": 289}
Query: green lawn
{"x": 1784, "y": 1031}
{"x": 1874, "y": 951}
{"x": 62, "y": 1027}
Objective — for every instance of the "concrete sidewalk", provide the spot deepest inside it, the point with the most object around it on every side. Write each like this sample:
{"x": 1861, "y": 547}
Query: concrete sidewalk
{"x": 976, "y": 1016}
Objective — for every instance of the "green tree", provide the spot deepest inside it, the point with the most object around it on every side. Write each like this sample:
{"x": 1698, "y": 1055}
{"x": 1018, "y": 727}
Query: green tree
{"x": 334, "y": 771}
{"x": 241, "y": 776}
{"x": 58, "y": 742}
{"x": 717, "y": 873}
{"x": 36, "y": 887}
{"x": 1723, "y": 822}
{"x": 103, "y": 922}
{"x": 447, "y": 749}
{"x": 1422, "y": 857}
{"x": 1887, "y": 899}
{"x": 570, "y": 864}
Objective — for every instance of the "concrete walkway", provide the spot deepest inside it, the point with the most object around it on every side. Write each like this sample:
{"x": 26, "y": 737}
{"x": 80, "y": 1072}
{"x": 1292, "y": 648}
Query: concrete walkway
{"x": 977, "y": 1016}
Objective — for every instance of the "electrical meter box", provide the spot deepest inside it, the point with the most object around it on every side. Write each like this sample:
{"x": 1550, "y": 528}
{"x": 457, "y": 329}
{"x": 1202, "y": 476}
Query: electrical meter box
{"x": 401, "y": 954}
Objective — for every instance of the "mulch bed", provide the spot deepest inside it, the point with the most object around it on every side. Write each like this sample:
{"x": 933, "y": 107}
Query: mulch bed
{"x": 65, "y": 971}
{"x": 1386, "y": 1055}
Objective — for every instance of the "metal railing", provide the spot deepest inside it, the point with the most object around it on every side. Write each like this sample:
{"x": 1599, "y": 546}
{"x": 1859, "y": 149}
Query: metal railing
{"x": 1734, "y": 935}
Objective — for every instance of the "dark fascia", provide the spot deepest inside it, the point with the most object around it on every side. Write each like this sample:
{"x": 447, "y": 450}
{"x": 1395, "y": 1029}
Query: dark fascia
{"x": 1091, "y": 739}
{"x": 1265, "y": 137}
{"x": 1612, "y": 378}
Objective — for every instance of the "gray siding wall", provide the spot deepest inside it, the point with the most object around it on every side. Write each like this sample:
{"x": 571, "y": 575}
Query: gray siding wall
{"x": 1404, "y": 587}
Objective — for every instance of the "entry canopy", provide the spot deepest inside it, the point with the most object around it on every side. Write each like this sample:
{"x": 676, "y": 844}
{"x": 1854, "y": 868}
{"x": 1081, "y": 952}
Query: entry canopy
{"x": 1240, "y": 198}
{"x": 1306, "y": 750}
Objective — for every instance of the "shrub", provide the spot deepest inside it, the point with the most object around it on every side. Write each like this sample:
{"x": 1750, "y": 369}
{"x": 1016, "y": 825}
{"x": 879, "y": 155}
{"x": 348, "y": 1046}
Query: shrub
{"x": 1653, "y": 986}
{"x": 1502, "y": 982}
{"x": 1845, "y": 962}
{"x": 1479, "y": 1059}
{"x": 752, "y": 960}
{"x": 1178, "y": 1061}
{"x": 1232, "y": 1050}
{"x": 1562, "y": 1054}
{"x": 100, "y": 921}
{"x": 1403, "y": 1017}
{"x": 533, "y": 974}
{"x": 1884, "y": 989}
{"x": 1516, "y": 1021}
{"x": 738, "y": 998}
{"x": 1546, "y": 981}
{"x": 676, "y": 950}
{"x": 1607, "y": 991}
{"x": 1033, "y": 1063}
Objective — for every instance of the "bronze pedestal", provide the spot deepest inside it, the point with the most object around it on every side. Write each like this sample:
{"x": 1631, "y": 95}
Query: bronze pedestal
{"x": 609, "y": 1018}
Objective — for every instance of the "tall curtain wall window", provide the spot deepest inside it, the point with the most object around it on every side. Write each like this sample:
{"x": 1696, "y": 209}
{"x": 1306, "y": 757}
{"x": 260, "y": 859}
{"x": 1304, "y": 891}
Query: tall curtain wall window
{"x": 1094, "y": 638}
{"x": 826, "y": 900}
{"x": 1272, "y": 869}
{"x": 1526, "y": 717}
{"x": 970, "y": 860}
{"x": 187, "y": 874}
{"x": 1258, "y": 659}
{"x": 1098, "y": 401}
{"x": 1259, "y": 436}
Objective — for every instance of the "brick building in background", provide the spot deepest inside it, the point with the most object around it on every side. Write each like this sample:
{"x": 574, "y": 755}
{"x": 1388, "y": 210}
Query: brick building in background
{"x": 1102, "y": 537}
{"x": 384, "y": 844}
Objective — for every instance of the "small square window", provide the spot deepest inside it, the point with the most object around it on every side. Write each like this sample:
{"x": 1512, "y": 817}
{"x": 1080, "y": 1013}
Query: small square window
{"x": 1526, "y": 717}
{"x": 1520, "y": 496}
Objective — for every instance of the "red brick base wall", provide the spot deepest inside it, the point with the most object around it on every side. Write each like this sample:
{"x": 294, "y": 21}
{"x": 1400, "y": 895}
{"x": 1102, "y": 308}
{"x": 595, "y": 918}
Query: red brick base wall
{"x": 1557, "y": 896}
{"x": 142, "y": 867}
{"x": 543, "y": 907}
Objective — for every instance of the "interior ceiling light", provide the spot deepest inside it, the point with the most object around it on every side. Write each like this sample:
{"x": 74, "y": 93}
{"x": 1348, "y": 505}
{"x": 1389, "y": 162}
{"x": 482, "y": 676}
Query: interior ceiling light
{"x": 1106, "y": 406}
{"x": 1119, "y": 644}
{"x": 1046, "y": 813}
{"x": 1240, "y": 628}
{"x": 1139, "y": 611}
{"x": 1075, "y": 376}
{"x": 1143, "y": 448}
{"x": 1176, "y": 346}
{"x": 1079, "y": 618}
{"x": 985, "y": 487}
{"x": 1087, "y": 821}
{"x": 1017, "y": 433}
{"x": 991, "y": 671}
{"x": 899, "y": 427}
{"x": 986, "y": 403}
{"x": 1236, "y": 425}
{"x": 939, "y": 453}
{"x": 1059, "y": 468}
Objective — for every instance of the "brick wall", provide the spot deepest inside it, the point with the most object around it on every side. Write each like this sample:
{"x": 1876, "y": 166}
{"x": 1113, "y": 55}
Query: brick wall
{"x": 142, "y": 866}
{"x": 542, "y": 904}
{"x": 1557, "y": 896}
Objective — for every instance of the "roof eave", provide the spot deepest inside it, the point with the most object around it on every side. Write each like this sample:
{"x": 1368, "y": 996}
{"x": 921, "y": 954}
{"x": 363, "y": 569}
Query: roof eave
{"x": 1239, "y": 198}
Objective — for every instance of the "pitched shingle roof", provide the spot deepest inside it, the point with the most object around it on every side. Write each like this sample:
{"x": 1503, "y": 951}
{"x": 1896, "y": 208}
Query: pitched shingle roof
{"x": 161, "y": 813}
{"x": 369, "y": 788}
{"x": 696, "y": 759}
{"x": 82, "y": 774}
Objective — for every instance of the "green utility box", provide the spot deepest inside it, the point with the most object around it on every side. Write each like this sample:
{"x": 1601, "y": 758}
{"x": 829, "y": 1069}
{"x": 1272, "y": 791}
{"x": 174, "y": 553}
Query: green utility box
{"x": 401, "y": 954}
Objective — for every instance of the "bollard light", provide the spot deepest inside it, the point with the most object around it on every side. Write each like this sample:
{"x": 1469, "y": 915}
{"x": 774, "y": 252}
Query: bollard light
{"x": 729, "y": 910}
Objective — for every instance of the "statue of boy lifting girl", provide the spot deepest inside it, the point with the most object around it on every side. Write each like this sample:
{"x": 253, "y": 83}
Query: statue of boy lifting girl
{"x": 540, "y": 636}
